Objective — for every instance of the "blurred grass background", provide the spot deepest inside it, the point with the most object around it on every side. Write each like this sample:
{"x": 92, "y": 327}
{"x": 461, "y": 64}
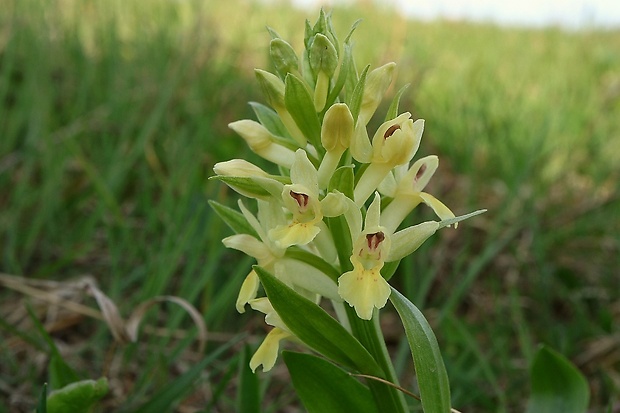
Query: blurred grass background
{"x": 112, "y": 114}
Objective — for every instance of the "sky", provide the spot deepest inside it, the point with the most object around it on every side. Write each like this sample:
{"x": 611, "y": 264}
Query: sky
{"x": 566, "y": 13}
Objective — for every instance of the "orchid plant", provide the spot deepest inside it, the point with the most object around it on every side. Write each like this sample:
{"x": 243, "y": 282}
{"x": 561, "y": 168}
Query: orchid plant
{"x": 327, "y": 229}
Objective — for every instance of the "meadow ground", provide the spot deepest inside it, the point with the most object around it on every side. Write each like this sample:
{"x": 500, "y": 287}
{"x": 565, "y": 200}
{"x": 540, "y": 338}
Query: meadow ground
{"x": 112, "y": 114}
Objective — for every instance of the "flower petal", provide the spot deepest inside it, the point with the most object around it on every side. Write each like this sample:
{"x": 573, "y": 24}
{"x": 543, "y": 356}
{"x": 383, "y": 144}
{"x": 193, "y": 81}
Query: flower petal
{"x": 304, "y": 173}
{"x": 271, "y": 317}
{"x": 364, "y": 290}
{"x": 250, "y": 246}
{"x": 296, "y": 233}
{"x": 307, "y": 277}
{"x": 410, "y": 239}
{"x": 267, "y": 353}
{"x": 248, "y": 291}
{"x": 440, "y": 209}
{"x": 373, "y": 215}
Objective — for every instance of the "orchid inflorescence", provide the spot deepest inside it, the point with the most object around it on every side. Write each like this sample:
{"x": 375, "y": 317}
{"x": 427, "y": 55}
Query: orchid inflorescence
{"x": 328, "y": 223}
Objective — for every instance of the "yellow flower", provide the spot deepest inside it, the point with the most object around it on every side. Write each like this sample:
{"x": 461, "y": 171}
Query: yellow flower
{"x": 336, "y": 133}
{"x": 262, "y": 142}
{"x": 267, "y": 353}
{"x": 364, "y": 288}
{"x": 395, "y": 143}
{"x": 407, "y": 193}
{"x": 263, "y": 250}
{"x": 301, "y": 198}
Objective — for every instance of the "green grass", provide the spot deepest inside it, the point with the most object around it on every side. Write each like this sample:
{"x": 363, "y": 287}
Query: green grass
{"x": 113, "y": 113}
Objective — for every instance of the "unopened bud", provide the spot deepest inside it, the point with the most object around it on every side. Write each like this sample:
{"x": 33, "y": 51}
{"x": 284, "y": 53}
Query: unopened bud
{"x": 377, "y": 83}
{"x": 238, "y": 167}
{"x": 397, "y": 140}
{"x": 272, "y": 87}
{"x": 283, "y": 57}
{"x": 337, "y": 129}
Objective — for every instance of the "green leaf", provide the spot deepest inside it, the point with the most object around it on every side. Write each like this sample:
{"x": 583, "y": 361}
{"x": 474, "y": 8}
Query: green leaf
{"x": 326, "y": 388}
{"x": 429, "y": 367}
{"x": 317, "y": 329}
{"x": 300, "y": 104}
{"x": 272, "y": 87}
{"x": 347, "y": 62}
{"x": 557, "y": 385}
{"x": 42, "y": 405}
{"x": 78, "y": 397}
{"x": 393, "y": 109}
{"x": 314, "y": 260}
{"x": 339, "y": 228}
{"x": 355, "y": 104}
{"x": 270, "y": 120}
{"x": 451, "y": 221}
{"x": 60, "y": 374}
{"x": 343, "y": 181}
{"x": 353, "y": 27}
{"x": 273, "y": 33}
{"x": 248, "y": 393}
{"x": 244, "y": 185}
{"x": 234, "y": 219}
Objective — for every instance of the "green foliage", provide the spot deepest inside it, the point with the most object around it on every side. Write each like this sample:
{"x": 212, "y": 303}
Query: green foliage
{"x": 429, "y": 367}
{"x": 326, "y": 388}
{"x": 113, "y": 114}
{"x": 317, "y": 329}
{"x": 301, "y": 107}
{"x": 557, "y": 385}
{"x": 78, "y": 397}
{"x": 248, "y": 394}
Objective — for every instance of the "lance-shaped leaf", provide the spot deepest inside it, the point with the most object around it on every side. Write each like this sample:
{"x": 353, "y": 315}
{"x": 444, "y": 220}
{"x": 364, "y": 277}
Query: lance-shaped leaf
{"x": 317, "y": 329}
{"x": 345, "y": 67}
{"x": 272, "y": 122}
{"x": 248, "y": 393}
{"x": 355, "y": 102}
{"x": 393, "y": 109}
{"x": 326, "y": 388}
{"x": 300, "y": 104}
{"x": 557, "y": 385}
{"x": 234, "y": 219}
{"x": 429, "y": 367}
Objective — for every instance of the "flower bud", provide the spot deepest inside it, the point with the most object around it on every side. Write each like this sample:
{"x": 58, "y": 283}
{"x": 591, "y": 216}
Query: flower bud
{"x": 323, "y": 56}
{"x": 283, "y": 57}
{"x": 397, "y": 140}
{"x": 238, "y": 167}
{"x": 272, "y": 87}
{"x": 260, "y": 140}
{"x": 337, "y": 129}
{"x": 377, "y": 83}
